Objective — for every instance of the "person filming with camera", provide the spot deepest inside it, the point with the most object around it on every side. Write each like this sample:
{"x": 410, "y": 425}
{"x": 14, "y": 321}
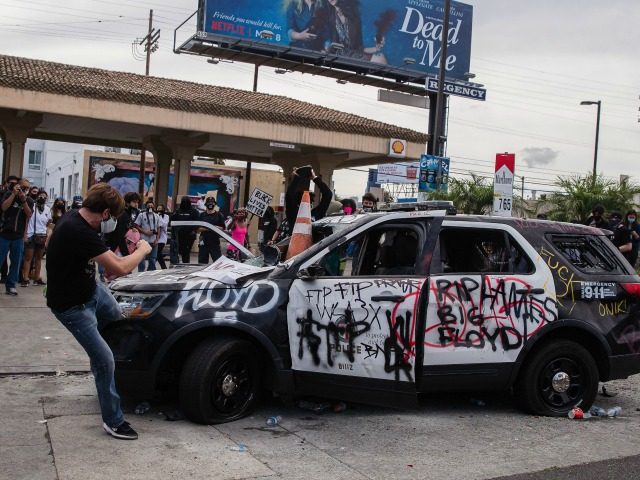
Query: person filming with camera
{"x": 17, "y": 208}
{"x": 83, "y": 305}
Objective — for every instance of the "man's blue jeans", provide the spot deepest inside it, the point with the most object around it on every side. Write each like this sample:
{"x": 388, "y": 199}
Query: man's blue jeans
{"x": 15, "y": 249}
{"x": 84, "y": 321}
{"x": 151, "y": 259}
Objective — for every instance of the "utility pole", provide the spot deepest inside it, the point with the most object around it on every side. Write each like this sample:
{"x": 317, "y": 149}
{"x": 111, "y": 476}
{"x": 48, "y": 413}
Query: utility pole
{"x": 247, "y": 171}
{"x": 437, "y": 130}
{"x": 148, "y": 37}
{"x": 150, "y": 46}
{"x": 441, "y": 75}
{"x": 522, "y": 189}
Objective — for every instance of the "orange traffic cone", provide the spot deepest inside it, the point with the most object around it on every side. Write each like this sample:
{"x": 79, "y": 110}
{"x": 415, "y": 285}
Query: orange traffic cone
{"x": 301, "y": 238}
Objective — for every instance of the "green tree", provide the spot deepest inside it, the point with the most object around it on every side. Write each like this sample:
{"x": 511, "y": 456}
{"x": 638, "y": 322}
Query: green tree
{"x": 579, "y": 194}
{"x": 473, "y": 195}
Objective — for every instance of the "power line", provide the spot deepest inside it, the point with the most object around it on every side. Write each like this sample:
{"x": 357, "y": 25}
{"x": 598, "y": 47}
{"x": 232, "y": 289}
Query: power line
{"x": 555, "y": 73}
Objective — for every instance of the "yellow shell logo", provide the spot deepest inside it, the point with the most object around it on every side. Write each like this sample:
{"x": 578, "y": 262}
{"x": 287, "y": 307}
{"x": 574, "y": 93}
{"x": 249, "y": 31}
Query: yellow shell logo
{"x": 397, "y": 147}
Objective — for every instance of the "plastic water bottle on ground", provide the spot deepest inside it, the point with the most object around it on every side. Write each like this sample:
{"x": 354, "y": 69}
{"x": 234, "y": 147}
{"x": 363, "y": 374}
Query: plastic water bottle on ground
{"x": 241, "y": 447}
{"x": 598, "y": 411}
{"x": 273, "y": 421}
{"x": 614, "y": 412}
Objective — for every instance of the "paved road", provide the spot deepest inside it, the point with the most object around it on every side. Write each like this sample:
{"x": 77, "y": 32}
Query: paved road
{"x": 615, "y": 469}
{"x": 51, "y": 429}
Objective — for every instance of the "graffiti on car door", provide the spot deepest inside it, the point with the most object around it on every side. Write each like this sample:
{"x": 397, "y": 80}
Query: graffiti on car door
{"x": 361, "y": 327}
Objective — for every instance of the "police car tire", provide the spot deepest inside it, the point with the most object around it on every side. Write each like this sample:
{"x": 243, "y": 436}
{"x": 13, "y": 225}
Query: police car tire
{"x": 203, "y": 373}
{"x": 533, "y": 381}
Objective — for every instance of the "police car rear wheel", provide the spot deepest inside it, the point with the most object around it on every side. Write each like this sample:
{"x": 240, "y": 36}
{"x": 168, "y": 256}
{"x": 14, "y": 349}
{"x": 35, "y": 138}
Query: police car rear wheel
{"x": 220, "y": 381}
{"x": 559, "y": 376}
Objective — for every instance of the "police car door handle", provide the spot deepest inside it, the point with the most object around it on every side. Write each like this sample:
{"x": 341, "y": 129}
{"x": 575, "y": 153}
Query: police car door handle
{"x": 387, "y": 298}
{"x": 530, "y": 291}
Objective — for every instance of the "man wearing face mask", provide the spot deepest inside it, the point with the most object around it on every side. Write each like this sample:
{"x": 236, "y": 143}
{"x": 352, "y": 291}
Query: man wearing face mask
{"x": 17, "y": 208}
{"x": 209, "y": 245}
{"x": 629, "y": 230}
{"x": 81, "y": 304}
{"x": 369, "y": 203}
{"x": 148, "y": 224}
{"x": 36, "y": 240}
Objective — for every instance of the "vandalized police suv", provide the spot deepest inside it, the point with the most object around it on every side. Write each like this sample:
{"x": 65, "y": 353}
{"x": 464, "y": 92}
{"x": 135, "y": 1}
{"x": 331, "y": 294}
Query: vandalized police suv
{"x": 383, "y": 308}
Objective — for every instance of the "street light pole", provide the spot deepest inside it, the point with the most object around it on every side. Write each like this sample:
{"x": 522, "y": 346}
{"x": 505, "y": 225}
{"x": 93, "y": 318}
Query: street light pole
{"x": 595, "y": 153}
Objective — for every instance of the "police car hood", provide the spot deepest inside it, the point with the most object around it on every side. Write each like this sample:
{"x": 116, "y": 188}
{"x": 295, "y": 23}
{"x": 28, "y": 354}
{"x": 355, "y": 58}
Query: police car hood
{"x": 225, "y": 271}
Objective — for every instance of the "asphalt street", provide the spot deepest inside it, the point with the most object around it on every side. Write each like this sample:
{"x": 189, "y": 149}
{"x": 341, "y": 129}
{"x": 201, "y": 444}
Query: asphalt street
{"x": 51, "y": 429}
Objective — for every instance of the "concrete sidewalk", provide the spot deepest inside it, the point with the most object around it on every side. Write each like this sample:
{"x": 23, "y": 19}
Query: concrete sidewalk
{"x": 51, "y": 428}
{"x": 33, "y": 340}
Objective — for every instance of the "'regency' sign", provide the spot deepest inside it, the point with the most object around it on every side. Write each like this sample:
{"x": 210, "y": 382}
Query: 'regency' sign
{"x": 406, "y": 34}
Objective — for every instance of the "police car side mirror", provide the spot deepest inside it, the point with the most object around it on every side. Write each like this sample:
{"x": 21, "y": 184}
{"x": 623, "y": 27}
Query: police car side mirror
{"x": 312, "y": 272}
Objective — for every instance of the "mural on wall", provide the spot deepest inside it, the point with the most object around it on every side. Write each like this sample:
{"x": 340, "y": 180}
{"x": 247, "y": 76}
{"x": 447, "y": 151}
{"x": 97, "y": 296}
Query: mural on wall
{"x": 123, "y": 175}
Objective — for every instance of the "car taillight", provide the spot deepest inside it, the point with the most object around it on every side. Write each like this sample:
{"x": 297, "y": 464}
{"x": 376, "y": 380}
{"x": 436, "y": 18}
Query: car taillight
{"x": 631, "y": 288}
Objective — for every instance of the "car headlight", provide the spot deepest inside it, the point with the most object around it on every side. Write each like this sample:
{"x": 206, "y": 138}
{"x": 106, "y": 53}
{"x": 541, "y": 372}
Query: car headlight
{"x": 139, "y": 305}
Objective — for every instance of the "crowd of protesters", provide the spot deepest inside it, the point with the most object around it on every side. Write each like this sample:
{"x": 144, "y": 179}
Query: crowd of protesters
{"x": 26, "y": 224}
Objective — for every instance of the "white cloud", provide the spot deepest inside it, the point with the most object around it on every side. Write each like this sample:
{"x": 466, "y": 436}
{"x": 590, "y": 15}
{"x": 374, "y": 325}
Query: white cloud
{"x": 538, "y": 157}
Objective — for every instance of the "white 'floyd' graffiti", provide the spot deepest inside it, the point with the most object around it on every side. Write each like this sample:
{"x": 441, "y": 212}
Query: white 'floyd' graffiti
{"x": 257, "y": 297}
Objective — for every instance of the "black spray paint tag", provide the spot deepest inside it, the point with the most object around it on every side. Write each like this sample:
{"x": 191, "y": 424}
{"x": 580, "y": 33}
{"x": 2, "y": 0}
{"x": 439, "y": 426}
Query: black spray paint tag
{"x": 598, "y": 290}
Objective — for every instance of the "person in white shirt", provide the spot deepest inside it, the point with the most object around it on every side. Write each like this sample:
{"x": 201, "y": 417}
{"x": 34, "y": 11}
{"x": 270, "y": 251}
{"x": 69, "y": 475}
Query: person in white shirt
{"x": 35, "y": 240}
{"x": 162, "y": 235}
{"x": 148, "y": 224}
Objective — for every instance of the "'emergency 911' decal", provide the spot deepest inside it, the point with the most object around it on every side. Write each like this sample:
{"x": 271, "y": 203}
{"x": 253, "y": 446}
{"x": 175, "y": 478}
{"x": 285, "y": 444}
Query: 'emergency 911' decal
{"x": 598, "y": 290}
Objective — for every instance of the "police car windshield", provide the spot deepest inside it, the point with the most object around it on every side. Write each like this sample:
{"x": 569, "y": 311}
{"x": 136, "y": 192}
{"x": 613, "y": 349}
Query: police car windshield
{"x": 326, "y": 231}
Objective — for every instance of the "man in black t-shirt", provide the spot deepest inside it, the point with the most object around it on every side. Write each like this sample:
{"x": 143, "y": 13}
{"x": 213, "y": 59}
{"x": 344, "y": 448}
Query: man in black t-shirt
{"x": 209, "y": 245}
{"x": 81, "y": 304}
{"x": 16, "y": 207}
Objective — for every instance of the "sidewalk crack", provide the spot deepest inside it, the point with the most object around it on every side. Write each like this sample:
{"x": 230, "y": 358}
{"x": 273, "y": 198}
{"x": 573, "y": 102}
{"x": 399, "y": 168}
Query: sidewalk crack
{"x": 47, "y": 435}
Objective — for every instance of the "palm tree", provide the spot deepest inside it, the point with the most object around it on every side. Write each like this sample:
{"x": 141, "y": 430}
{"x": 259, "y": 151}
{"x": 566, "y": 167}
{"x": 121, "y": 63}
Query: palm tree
{"x": 579, "y": 194}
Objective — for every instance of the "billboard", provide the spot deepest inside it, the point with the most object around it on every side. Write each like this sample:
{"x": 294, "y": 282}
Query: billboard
{"x": 434, "y": 174}
{"x": 398, "y": 172}
{"x": 366, "y": 34}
